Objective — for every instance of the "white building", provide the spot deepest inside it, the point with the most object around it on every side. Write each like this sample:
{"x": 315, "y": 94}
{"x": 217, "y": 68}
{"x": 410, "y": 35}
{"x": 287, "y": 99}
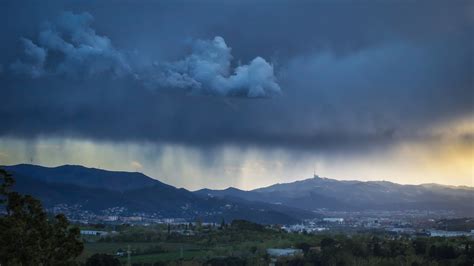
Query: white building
{"x": 442, "y": 233}
{"x": 334, "y": 220}
{"x": 284, "y": 252}
{"x": 94, "y": 233}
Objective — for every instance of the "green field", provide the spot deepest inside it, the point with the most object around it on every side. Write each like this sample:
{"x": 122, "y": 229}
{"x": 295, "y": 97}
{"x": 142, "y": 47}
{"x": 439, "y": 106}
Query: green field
{"x": 246, "y": 243}
{"x": 169, "y": 256}
{"x": 172, "y": 251}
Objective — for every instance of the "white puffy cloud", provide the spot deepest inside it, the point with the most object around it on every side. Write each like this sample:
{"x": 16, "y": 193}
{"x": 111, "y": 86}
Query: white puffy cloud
{"x": 208, "y": 70}
{"x": 71, "y": 47}
{"x": 256, "y": 79}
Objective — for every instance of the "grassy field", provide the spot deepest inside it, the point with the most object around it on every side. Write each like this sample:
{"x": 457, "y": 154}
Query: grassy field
{"x": 154, "y": 244}
{"x": 168, "y": 256}
{"x": 109, "y": 248}
{"x": 172, "y": 251}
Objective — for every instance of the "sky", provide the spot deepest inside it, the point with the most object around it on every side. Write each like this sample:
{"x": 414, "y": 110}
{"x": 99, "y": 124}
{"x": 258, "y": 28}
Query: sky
{"x": 241, "y": 93}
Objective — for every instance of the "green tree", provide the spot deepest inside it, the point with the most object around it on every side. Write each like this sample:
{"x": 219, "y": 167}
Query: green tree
{"x": 442, "y": 252}
{"x": 102, "y": 260}
{"x": 303, "y": 246}
{"x": 222, "y": 224}
{"x": 420, "y": 245}
{"x": 28, "y": 236}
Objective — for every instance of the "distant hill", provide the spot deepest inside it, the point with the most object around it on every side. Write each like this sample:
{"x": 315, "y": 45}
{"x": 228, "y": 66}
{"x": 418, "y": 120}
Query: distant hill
{"x": 96, "y": 190}
{"x": 324, "y": 193}
{"x": 84, "y": 177}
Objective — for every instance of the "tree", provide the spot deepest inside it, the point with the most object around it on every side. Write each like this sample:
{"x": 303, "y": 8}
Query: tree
{"x": 28, "y": 236}
{"x": 328, "y": 243}
{"x": 303, "y": 246}
{"x": 102, "y": 260}
{"x": 442, "y": 252}
{"x": 7, "y": 183}
{"x": 246, "y": 225}
{"x": 420, "y": 245}
{"x": 222, "y": 224}
{"x": 227, "y": 261}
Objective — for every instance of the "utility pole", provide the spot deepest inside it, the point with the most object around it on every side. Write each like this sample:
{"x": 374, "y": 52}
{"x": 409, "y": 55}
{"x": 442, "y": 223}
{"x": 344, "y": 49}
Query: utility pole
{"x": 129, "y": 260}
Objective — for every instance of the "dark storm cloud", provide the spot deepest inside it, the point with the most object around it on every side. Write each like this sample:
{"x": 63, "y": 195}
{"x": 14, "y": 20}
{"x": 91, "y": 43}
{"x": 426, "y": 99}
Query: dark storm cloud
{"x": 351, "y": 73}
{"x": 70, "y": 47}
{"x": 36, "y": 58}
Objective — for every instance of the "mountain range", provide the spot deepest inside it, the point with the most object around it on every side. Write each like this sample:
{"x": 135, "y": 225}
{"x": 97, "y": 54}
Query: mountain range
{"x": 319, "y": 193}
{"x": 96, "y": 190}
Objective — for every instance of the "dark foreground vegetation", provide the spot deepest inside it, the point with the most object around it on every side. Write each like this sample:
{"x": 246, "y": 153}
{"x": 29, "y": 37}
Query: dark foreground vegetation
{"x": 28, "y": 236}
